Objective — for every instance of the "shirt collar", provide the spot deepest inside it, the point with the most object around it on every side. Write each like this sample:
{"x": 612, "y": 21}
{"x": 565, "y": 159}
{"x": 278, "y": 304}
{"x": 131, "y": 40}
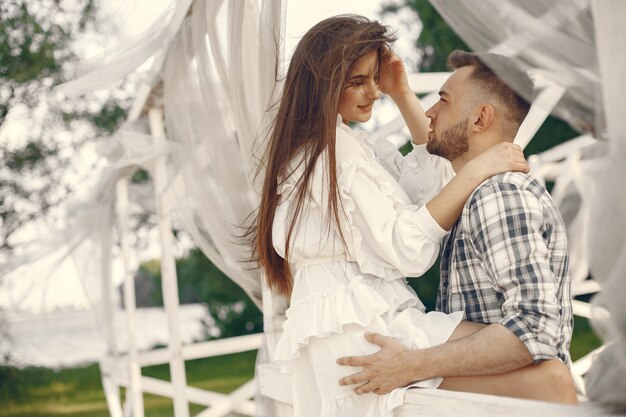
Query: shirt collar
{"x": 357, "y": 134}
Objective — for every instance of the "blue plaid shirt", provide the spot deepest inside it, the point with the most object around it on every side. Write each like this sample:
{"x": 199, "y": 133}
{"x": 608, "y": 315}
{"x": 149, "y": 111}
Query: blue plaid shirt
{"x": 505, "y": 261}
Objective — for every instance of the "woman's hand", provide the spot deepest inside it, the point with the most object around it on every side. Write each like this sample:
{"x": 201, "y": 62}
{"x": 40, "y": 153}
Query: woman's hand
{"x": 500, "y": 158}
{"x": 393, "y": 79}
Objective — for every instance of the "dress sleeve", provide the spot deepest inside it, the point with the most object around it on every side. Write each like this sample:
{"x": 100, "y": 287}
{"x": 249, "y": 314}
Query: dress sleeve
{"x": 507, "y": 225}
{"x": 386, "y": 232}
{"x": 420, "y": 174}
{"x": 387, "y": 155}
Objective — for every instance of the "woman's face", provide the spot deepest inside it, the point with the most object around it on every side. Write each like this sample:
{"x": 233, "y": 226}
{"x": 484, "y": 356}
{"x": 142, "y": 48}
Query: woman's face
{"x": 361, "y": 91}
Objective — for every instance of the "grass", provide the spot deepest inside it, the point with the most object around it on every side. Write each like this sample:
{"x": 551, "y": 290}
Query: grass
{"x": 584, "y": 340}
{"x": 77, "y": 392}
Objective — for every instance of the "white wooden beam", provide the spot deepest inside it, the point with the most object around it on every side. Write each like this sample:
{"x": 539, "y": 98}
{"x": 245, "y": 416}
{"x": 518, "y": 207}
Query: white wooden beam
{"x": 231, "y": 401}
{"x": 111, "y": 392}
{"x": 134, "y": 392}
{"x": 195, "y": 395}
{"x": 109, "y": 385}
{"x": 168, "y": 271}
{"x": 565, "y": 149}
{"x": 540, "y": 109}
{"x": 201, "y": 349}
{"x": 427, "y": 82}
{"x": 588, "y": 286}
{"x": 581, "y": 308}
{"x": 436, "y": 403}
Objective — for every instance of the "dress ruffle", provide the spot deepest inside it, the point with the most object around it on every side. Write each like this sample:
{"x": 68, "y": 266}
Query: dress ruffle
{"x": 348, "y": 170}
{"x": 325, "y": 313}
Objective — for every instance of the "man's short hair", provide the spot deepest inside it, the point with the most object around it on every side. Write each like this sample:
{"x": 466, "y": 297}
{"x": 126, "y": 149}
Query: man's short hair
{"x": 500, "y": 77}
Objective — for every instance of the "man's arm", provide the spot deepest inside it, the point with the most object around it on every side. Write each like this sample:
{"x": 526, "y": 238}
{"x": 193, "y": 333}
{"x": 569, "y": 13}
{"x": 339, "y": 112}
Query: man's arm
{"x": 507, "y": 223}
{"x": 491, "y": 350}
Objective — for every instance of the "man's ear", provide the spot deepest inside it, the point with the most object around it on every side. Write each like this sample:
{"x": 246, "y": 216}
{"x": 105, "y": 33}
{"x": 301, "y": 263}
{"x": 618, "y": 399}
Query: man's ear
{"x": 483, "y": 118}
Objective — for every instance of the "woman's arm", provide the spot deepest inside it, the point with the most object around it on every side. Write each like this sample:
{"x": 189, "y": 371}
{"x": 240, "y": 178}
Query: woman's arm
{"x": 446, "y": 206}
{"x": 394, "y": 83}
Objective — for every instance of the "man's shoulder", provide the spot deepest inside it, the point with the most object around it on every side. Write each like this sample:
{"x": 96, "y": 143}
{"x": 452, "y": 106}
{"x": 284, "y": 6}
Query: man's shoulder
{"x": 506, "y": 186}
{"x": 512, "y": 182}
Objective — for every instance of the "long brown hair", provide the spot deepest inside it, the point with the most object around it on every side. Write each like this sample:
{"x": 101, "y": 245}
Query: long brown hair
{"x": 305, "y": 124}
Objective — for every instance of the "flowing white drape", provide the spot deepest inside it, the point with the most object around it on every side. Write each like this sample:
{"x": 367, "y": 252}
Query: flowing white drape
{"x": 607, "y": 232}
{"x": 555, "y": 37}
{"x": 88, "y": 236}
{"x": 218, "y": 85}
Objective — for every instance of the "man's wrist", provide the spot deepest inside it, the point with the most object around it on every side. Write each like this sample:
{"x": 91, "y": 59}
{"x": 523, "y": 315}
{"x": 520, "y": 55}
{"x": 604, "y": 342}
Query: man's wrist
{"x": 472, "y": 173}
{"x": 420, "y": 364}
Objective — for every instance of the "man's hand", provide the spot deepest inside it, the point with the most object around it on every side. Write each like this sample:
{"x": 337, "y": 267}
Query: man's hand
{"x": 382, "y": 371}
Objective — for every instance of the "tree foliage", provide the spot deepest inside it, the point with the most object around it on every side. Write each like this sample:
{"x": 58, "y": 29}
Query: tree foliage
{"x": 436, "y": 39}
{"x": 40, "y": 130}
{"x": 200, "y": 281}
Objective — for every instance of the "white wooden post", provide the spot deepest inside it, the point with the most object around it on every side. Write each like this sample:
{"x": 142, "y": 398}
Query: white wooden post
{"x": 110, "y": 384}
{"x": 168, "y": 270}
{"x": 134, "y": 392}
{"x": 540, "y": 109}
{"x": 231, "y": 402}
{"x": 111, "y": 392}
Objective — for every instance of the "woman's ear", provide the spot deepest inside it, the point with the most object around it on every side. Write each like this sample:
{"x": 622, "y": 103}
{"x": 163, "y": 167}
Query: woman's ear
{"x": 483, "y": 118}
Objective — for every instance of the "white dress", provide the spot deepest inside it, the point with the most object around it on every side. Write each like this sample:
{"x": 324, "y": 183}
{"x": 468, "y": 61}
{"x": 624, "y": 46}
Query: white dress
{"x": 338, "y": 295}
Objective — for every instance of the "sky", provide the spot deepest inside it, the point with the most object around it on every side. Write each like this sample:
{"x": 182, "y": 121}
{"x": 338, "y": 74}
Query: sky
{"x": 62, "y": 289}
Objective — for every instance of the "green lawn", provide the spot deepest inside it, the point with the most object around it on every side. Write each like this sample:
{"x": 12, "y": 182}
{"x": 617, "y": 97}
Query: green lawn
{"x": 77, "y": 392}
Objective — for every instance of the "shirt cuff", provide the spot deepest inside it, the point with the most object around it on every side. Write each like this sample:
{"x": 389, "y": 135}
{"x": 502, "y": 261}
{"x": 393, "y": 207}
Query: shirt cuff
{"x": 539, "y": 350}
{"x": 429, "y": 225}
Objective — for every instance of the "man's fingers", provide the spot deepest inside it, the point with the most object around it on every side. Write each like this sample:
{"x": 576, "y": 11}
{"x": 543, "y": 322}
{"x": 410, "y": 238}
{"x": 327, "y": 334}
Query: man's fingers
{"x": 353, "y": 379}
{"x": 370, "y": 387}
{"x": 365, "y": 388}
{"x": 376, "y": 338}
{"x": 353, "y": 360}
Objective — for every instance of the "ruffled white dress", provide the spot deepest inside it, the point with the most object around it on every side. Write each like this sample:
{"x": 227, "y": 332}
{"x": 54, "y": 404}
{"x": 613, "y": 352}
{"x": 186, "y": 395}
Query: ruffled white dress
{"x": 338, "y": 295}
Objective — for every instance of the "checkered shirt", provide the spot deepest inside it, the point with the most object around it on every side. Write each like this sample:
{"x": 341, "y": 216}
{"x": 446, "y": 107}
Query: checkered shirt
{"x": 505, "y": 261}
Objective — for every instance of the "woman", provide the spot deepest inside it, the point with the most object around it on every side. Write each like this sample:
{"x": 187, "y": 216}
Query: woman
{"x": 336, "y": 233}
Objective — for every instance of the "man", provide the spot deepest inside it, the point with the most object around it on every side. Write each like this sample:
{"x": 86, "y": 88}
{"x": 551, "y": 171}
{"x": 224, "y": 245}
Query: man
{"x": 504, "y": 263}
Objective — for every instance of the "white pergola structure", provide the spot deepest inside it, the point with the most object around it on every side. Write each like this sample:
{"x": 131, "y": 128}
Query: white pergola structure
{"x": 195, "y": 127}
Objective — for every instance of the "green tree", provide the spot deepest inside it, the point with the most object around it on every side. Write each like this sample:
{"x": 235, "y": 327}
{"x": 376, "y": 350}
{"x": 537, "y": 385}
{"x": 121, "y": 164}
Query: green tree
{"x": 436, "y": 39}
{"x": 200, "y": 281}
{"x": 40, "y": 130}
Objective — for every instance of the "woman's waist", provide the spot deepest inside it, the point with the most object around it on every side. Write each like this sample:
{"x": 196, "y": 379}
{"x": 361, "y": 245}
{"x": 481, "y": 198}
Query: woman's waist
{"x": 321, "y": 276}
{"x": 320, "y": 260}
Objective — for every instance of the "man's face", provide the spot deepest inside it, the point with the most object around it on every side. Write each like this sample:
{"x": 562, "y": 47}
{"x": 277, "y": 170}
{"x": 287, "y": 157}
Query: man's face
{"x": 449, "y": 118}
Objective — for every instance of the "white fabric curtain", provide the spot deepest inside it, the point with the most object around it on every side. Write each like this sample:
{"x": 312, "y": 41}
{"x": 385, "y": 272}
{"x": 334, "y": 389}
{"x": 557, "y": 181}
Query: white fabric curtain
{"x": 571, "y": 44}
{"x": 554, "y": 37}
{"x": 114, "y": 64}
{"x": 606, "y": 381}
{"x": 218, "y": 83}
{"x": 88, "y": 236}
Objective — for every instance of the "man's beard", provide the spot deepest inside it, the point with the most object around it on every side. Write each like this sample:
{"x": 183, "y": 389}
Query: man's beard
{"x": 452, "y": 143}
